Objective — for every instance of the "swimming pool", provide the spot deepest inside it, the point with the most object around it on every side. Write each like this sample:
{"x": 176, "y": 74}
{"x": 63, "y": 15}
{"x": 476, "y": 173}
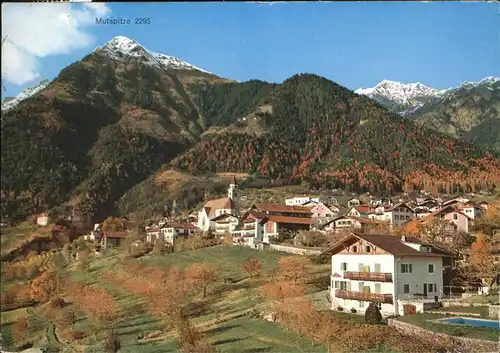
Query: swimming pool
{"x": 494, "y": 324}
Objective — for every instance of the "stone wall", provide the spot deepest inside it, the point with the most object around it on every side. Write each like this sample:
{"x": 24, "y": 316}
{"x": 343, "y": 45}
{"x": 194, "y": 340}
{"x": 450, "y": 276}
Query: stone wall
{"x": 294, "y": 250}
{"x": 467, "y": 345}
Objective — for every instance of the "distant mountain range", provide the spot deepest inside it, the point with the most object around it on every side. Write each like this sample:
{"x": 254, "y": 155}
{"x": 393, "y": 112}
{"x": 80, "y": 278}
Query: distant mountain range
{"x": 470, "y": 111}
{"x": 98, "y": 136}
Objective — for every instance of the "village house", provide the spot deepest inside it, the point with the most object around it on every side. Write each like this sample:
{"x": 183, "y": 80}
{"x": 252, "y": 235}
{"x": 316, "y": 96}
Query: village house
{"x": 458, "y": 219}
{"x": 113, "y": 239}
{"x": 401, "y": 275}
{"x": 250, "y": 230}
{"x": 274, "y": 225}
{"x": 320, "y": 213}
{"x": 397, "y": 214}
{"x": 353, "y": 202}
{"x": 215, "y": 208}
{"x": 225, "y": 223}
{"x": 343, "y": 223}
{"x": 360, "y": 211}
{"x": 171, "y": 232}
{"x": 277, "y": 209}
{"x": 257, "y": 228}
{"x": 301, "y": 200}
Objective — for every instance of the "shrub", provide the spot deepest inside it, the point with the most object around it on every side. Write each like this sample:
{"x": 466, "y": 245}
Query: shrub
{"x": 339, "y": 308}
{"x": 321, "y": 259}
{"x": 353, "y": 310}
{"x": 372, "y": 314}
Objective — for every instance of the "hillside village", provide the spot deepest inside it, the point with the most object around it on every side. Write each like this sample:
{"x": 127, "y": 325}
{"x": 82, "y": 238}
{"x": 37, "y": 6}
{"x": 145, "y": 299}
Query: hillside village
{"x": 408, "y": 255}
{"x": 149, "y": 205}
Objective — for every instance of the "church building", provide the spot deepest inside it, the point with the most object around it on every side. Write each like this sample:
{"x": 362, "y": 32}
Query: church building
{"x": 215, "y": 208}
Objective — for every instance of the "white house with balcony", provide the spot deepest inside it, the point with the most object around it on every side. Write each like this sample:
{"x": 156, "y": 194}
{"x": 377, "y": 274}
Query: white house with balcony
{"x": 400, "y": 274}
{"x": 170, "y": 232}
{"x": 301, "y": 200}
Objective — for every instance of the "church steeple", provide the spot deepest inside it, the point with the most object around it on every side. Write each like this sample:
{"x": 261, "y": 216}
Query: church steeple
{"x": 232, "y": 191}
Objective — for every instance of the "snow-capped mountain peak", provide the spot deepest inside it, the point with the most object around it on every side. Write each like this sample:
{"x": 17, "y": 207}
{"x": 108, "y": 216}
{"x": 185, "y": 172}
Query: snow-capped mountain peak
{"x": 406, "y": 98}
{"x": 120, "y": 46}
{"x": 24, "y": 94}
{"x": 402, "y": 96}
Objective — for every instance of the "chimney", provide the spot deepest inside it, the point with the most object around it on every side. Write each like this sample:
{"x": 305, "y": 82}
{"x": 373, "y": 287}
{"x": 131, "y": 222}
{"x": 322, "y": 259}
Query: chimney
{"x": 403, "y": 238}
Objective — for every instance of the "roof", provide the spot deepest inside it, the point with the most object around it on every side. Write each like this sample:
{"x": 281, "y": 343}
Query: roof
{"x": 359, "y": 219}
{"x": 363, "y": 209}
{"x": 445, "y": 209}
{"x": 179, "y": 225}
{"x": 398, "y": 205}
{"x": 392, "y": 244}
{"x": 224, "y": 215}
{"x": 120, "y": 235}
{"x": 224, "y": 203}
{"x": 289, "y": 220}
{"x": 277, "y": 207}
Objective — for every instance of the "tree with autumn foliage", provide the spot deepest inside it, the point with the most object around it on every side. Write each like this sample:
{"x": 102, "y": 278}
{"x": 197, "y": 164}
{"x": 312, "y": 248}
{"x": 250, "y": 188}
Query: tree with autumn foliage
{"x": 252, "y": 267}
{"x": 202, "y": 275}
{"x": 193, "y": 340}
{"x": 481, "y": 262}
{"x": 45, "y": 287}
{"x": 490, "y": 221}
{"x": 294, "y": 267}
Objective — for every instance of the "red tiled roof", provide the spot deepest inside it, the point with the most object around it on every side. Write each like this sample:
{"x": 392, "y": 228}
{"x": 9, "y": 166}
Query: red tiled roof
{"x": 277, "y": 207}
{"x": 363, "y": 209}
{"x": 289, "y": 220}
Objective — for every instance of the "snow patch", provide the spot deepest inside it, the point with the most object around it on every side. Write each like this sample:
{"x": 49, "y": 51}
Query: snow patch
{"x": 24, "y": 94}
{"x": 121, "y": 46}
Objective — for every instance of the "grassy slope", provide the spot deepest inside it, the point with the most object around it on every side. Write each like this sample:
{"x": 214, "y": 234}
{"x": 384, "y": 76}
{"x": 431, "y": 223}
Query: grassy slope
{"x": 222, "y": 315}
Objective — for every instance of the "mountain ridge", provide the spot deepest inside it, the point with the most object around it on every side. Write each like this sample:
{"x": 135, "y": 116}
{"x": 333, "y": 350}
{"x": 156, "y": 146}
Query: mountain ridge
{"x": 108, "y": 123}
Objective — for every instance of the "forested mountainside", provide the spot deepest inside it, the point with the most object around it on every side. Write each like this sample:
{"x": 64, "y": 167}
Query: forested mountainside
{"x": 322, "y": 133}
{"x": 99, "y": 128}
{"x": 471, "y": 112}
{"x": 107, "y": 124}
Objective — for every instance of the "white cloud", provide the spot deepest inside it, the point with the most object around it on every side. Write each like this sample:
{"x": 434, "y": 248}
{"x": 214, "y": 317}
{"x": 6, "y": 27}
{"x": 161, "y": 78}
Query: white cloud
{"x": 33, "y": 31}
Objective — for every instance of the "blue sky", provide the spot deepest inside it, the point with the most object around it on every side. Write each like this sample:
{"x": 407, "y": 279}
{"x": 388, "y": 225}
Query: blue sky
{"x": 353, "y": 44}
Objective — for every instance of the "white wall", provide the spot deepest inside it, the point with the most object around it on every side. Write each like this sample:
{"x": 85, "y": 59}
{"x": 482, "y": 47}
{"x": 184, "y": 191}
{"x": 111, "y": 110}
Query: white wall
{"x": 386, "y": 265}
{"x": 420, "y": 275}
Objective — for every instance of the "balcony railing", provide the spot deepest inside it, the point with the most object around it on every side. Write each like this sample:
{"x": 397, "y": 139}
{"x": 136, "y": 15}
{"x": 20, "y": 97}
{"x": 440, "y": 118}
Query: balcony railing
{"x": 368, "y": 276}
{"x": 364, "y": 296}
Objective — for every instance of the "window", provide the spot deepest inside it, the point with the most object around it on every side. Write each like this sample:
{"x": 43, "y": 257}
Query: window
{"x": 377, "y": 267}
{"x": 406, "y": 268}
{"x": 360, "y": 267}
{"x": 406, "y": 288}
{"x": 343, "y": 266}
{"x": 407, "y": 217}
{"x": 455, "y": 216}
{"x": 342, "y": 285}
{"x": 435, "y": 288}
{"x": 354, "y": 248}
{"x": 368, "y": 248}
{"x": 396, "y": 217}
{"x": 360, "y": 286}
{"x": 378, "y": 288}
{"x": 431, "y": 268}
{"x": 361, "y": 304}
